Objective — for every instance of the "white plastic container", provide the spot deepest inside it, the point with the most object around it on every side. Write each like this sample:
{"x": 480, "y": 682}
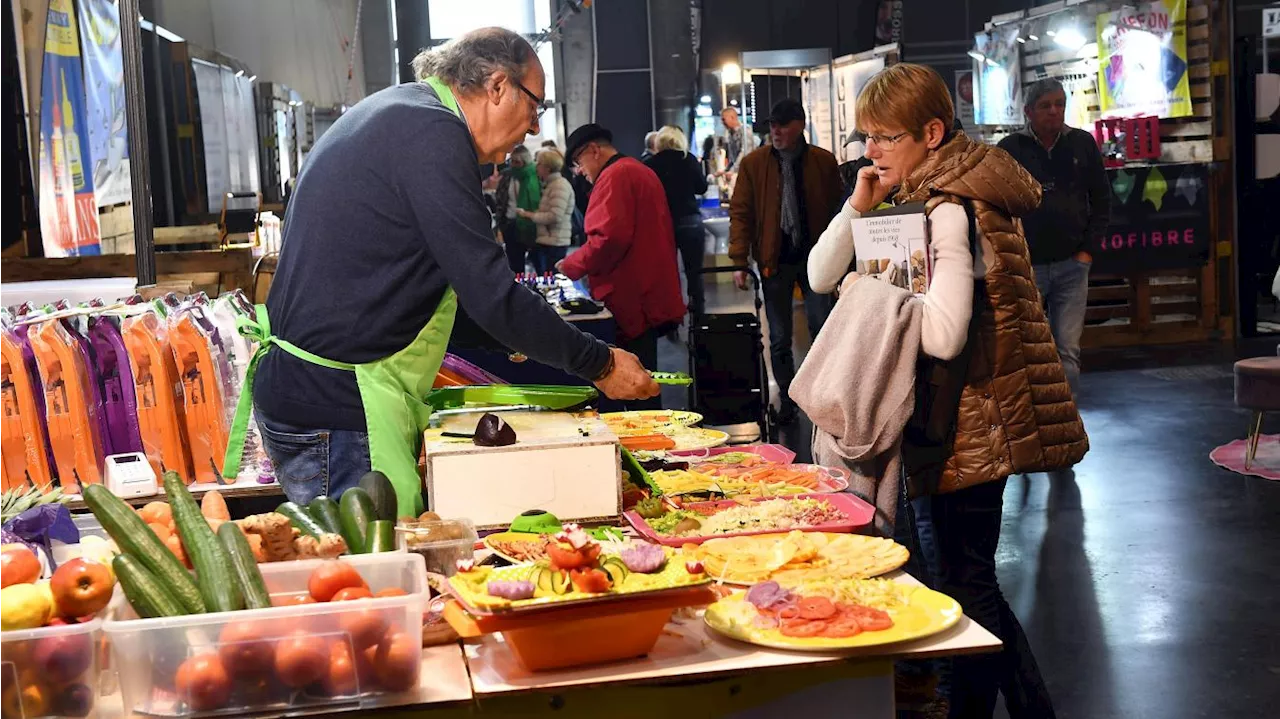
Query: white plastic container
{"x": 50, "y": 671}
{"x": 265, "y": 651}
{"x": 441, "y": 543}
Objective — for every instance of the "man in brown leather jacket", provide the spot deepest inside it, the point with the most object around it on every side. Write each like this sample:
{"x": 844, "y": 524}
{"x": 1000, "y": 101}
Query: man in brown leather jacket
{"x": 786, "y": 194}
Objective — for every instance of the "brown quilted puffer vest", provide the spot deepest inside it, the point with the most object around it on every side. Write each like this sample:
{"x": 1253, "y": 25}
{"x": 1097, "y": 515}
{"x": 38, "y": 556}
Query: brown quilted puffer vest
{"x": 1016, "y": 411}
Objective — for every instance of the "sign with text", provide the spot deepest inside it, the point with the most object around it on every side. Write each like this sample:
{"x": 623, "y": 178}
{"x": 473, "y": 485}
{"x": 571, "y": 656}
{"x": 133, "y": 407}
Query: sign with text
{"x": 1159, "y": 219}
{"x": 1142, "y": 60}
{"x": 1271, "y": 21}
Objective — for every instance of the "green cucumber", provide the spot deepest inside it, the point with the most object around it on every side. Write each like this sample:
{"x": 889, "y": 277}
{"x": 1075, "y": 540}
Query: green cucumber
{"x": 299, "y": 518}
{"x": 541, "y": 579}
{"x": 136, "y": 539}
{"x": 560, "y": 582}
{"x": 325, "y": 512}
{"x": 214, "y": 575}
{"x": 616, "y": 569}
{"x": 382, "y": 493}
{"x": 145, "y": 593}
{"x": 356, "y": 512}
{"x": 245, "y": 566}
{"x": 381, "y": 536}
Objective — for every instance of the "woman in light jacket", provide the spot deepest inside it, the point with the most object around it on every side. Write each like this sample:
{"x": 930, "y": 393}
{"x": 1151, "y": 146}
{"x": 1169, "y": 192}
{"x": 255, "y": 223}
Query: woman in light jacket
{"x": 554, "y": 216}
{"x": 1010, "y": 409}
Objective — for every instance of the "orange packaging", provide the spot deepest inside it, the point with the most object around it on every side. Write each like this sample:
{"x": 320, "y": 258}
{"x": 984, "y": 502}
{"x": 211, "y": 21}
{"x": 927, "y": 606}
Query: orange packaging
{"x": 25, "y": 459}
{"x": 161, "y": 416}
{"x": 202, "y": 398}
{"x": 69, "y": 410}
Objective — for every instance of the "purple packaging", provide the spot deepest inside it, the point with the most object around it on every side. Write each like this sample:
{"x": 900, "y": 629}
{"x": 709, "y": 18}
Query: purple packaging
{"x": 115, "y": 376}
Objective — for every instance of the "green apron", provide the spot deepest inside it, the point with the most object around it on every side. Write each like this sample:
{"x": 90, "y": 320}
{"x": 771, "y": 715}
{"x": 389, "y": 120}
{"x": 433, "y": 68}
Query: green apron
{"x": 393, "y": 389}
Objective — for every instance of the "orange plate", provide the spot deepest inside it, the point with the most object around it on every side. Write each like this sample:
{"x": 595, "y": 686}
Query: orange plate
{"x": 583, "y": 635}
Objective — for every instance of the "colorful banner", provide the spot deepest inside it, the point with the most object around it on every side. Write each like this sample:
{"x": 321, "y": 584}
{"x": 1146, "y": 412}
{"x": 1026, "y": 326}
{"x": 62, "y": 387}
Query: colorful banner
{"x": 1142, "y": 61}
{"x": 964, "y": 97}
{"x": 999, "y": 74}
{"x": 68, "y": 212}
{"x": 1159, "y": 219}
{"x": 104, "y": 81}
{"x": 888, "y": 21}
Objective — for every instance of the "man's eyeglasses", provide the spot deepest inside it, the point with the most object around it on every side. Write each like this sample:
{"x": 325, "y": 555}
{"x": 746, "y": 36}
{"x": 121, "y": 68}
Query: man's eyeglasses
{"x": 885, "y": 142}
{"x": 539, "y": 105}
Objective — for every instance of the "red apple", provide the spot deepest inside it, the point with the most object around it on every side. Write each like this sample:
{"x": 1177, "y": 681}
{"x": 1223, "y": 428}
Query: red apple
{"x": 18, "y": 565}
{"x": 63, "y": 659}
{"x": 81, "y": 587}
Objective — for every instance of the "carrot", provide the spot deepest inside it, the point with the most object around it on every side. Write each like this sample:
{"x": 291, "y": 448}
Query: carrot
{"x": 161, "y": 530}
{"x": 648, "y": 442}
{"x": 156, "y": 513}
{"x": 174, "y": 543}
{"x": 213, "y": 506}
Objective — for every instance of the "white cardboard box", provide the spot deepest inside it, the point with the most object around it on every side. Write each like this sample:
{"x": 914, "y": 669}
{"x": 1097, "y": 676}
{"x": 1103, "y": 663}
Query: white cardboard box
{"x": 573, "y": 474}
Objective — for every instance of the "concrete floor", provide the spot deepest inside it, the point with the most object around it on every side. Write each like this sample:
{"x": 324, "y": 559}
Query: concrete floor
{"x": 1148, "y": 585}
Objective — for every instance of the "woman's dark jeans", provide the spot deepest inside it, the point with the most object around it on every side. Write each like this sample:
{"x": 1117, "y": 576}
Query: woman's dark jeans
{"x": 691, "y": 240}
{"x": 966, "y": 529}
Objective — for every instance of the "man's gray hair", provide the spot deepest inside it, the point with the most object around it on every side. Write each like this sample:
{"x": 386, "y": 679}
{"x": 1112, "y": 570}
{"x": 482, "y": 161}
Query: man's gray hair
{"x": 466, "y": 62}
{"x": 1039, "y": 89}
{"x": 651, "y": 140}
{"x": 522, "y": 154}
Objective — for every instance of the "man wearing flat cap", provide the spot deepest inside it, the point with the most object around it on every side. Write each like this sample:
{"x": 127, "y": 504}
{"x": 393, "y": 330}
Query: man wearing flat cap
{"x": 786, "y": 194}
{"x": 630, "y": 254}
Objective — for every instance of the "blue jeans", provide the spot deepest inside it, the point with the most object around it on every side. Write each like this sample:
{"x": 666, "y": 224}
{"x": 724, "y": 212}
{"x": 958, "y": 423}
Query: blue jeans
{"x": 310, "y": 462}
{"x": 545, "y": 257}
{"x": 779, "y": 302}
{"x": 1064, "y": 286}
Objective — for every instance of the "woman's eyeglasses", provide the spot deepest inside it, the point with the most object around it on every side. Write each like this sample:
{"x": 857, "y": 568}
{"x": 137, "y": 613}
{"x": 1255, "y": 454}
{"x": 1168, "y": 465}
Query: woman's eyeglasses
{"x": 885, "y": 142}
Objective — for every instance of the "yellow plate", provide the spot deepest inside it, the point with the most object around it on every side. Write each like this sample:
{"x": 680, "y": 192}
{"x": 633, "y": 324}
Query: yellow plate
{"x": 798, "y": 556}
{"x": 524, "y": 537}
{"x": 697, "y": 438}
{"x": 927, "y": 613}
{"x": 649, "y": 421}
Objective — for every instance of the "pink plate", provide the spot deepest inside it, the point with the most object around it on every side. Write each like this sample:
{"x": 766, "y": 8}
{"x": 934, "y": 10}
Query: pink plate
{"x": 830, "y": 479}
{"x": 859, "y": 514}
{"x": 774, "y": 453}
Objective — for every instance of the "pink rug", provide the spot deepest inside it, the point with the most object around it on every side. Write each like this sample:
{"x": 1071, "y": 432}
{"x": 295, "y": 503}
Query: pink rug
{"x": 1266, "y": 463}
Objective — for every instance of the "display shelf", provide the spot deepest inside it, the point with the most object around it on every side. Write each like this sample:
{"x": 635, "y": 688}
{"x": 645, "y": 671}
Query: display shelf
{"x": 228, "y": 491}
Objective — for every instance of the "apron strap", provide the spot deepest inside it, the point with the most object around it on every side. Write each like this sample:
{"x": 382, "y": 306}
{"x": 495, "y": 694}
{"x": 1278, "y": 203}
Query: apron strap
{"x": 259, "y": 330}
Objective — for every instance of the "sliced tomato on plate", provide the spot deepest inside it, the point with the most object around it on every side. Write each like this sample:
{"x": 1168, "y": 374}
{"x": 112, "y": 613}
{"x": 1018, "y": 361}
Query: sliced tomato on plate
{"x": 816, "y": 608}
{"x": 802, "y": 628}
{"x": 841, "y": 628}
{"x": 870, "y": 619}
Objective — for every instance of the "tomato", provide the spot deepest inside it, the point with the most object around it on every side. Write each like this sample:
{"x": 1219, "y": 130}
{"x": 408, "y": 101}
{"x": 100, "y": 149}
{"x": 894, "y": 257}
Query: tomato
{"x": 815, "y": 607}
{"x": 245, "y": 650}
{"x": 590, "y": 581}
{"x": 563, "y": 556}
{"x": 332, "y": 576}
{"x": 301, "y": 659}
{"x": 202, "y": 682}
{"x": 841, "y": 628}
{"x": 396, "y": 662}
{"x": 871, "y": 620}
{"x": 349, "y": 593}
{"x": 365, "y": 627}
{"x": 802, "y": 628}
{"x": 341, "y": 677}
{"x": 391, "y": 592}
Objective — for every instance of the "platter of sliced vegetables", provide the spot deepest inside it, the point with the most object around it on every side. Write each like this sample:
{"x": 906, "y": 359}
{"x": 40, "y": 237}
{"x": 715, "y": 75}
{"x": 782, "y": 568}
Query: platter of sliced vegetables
{"x": 575, "y": 570}
{"x": 825, "y": 615}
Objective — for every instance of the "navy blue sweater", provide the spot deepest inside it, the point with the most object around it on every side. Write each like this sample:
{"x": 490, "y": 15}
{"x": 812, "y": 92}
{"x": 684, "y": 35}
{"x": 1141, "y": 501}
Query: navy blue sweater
{"x": 387, "y": 213}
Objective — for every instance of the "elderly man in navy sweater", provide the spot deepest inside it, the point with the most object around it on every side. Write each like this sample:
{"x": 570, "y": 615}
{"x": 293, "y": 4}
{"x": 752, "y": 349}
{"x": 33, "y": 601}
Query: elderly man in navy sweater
{"x": 386, "y": 235}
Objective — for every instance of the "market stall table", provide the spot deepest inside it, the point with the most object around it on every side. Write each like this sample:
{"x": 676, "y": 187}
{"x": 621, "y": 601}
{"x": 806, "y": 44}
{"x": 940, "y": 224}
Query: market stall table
{"x": 700, "y": 673}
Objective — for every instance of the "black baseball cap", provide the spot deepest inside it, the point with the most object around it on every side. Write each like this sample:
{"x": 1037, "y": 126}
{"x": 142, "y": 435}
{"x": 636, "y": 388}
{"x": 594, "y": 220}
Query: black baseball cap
{"x": 581, "y": 136}
{"x": 787, "y": 110}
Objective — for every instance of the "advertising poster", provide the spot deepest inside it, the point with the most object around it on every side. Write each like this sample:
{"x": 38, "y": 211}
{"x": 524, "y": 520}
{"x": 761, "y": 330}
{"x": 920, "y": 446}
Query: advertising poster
{"x": 104, "y": 82}
{"x": 1142, "y": 61}
{"x": 999, "y": 97}
{"x": 817, "y": 100}
{"x": 68, "y": 212}
{"x": 1159, "y": 219}
{"x": 964, "y": 97}
{"x": 850, "y": 79}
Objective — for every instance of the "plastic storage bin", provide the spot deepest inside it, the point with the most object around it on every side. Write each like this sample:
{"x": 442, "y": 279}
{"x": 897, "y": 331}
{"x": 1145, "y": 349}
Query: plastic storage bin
{"x": 50, "y": 671}
{"x": 441, "y": 543}
{"x": 290, "y": 657}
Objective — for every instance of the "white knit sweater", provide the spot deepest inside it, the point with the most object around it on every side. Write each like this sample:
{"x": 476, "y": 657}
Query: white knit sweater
{"x": 554, "y": 216}
{"x": 948, "y": 304}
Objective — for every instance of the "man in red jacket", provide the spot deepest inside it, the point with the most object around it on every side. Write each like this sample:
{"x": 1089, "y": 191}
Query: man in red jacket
{"x": 630, "y": 253}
